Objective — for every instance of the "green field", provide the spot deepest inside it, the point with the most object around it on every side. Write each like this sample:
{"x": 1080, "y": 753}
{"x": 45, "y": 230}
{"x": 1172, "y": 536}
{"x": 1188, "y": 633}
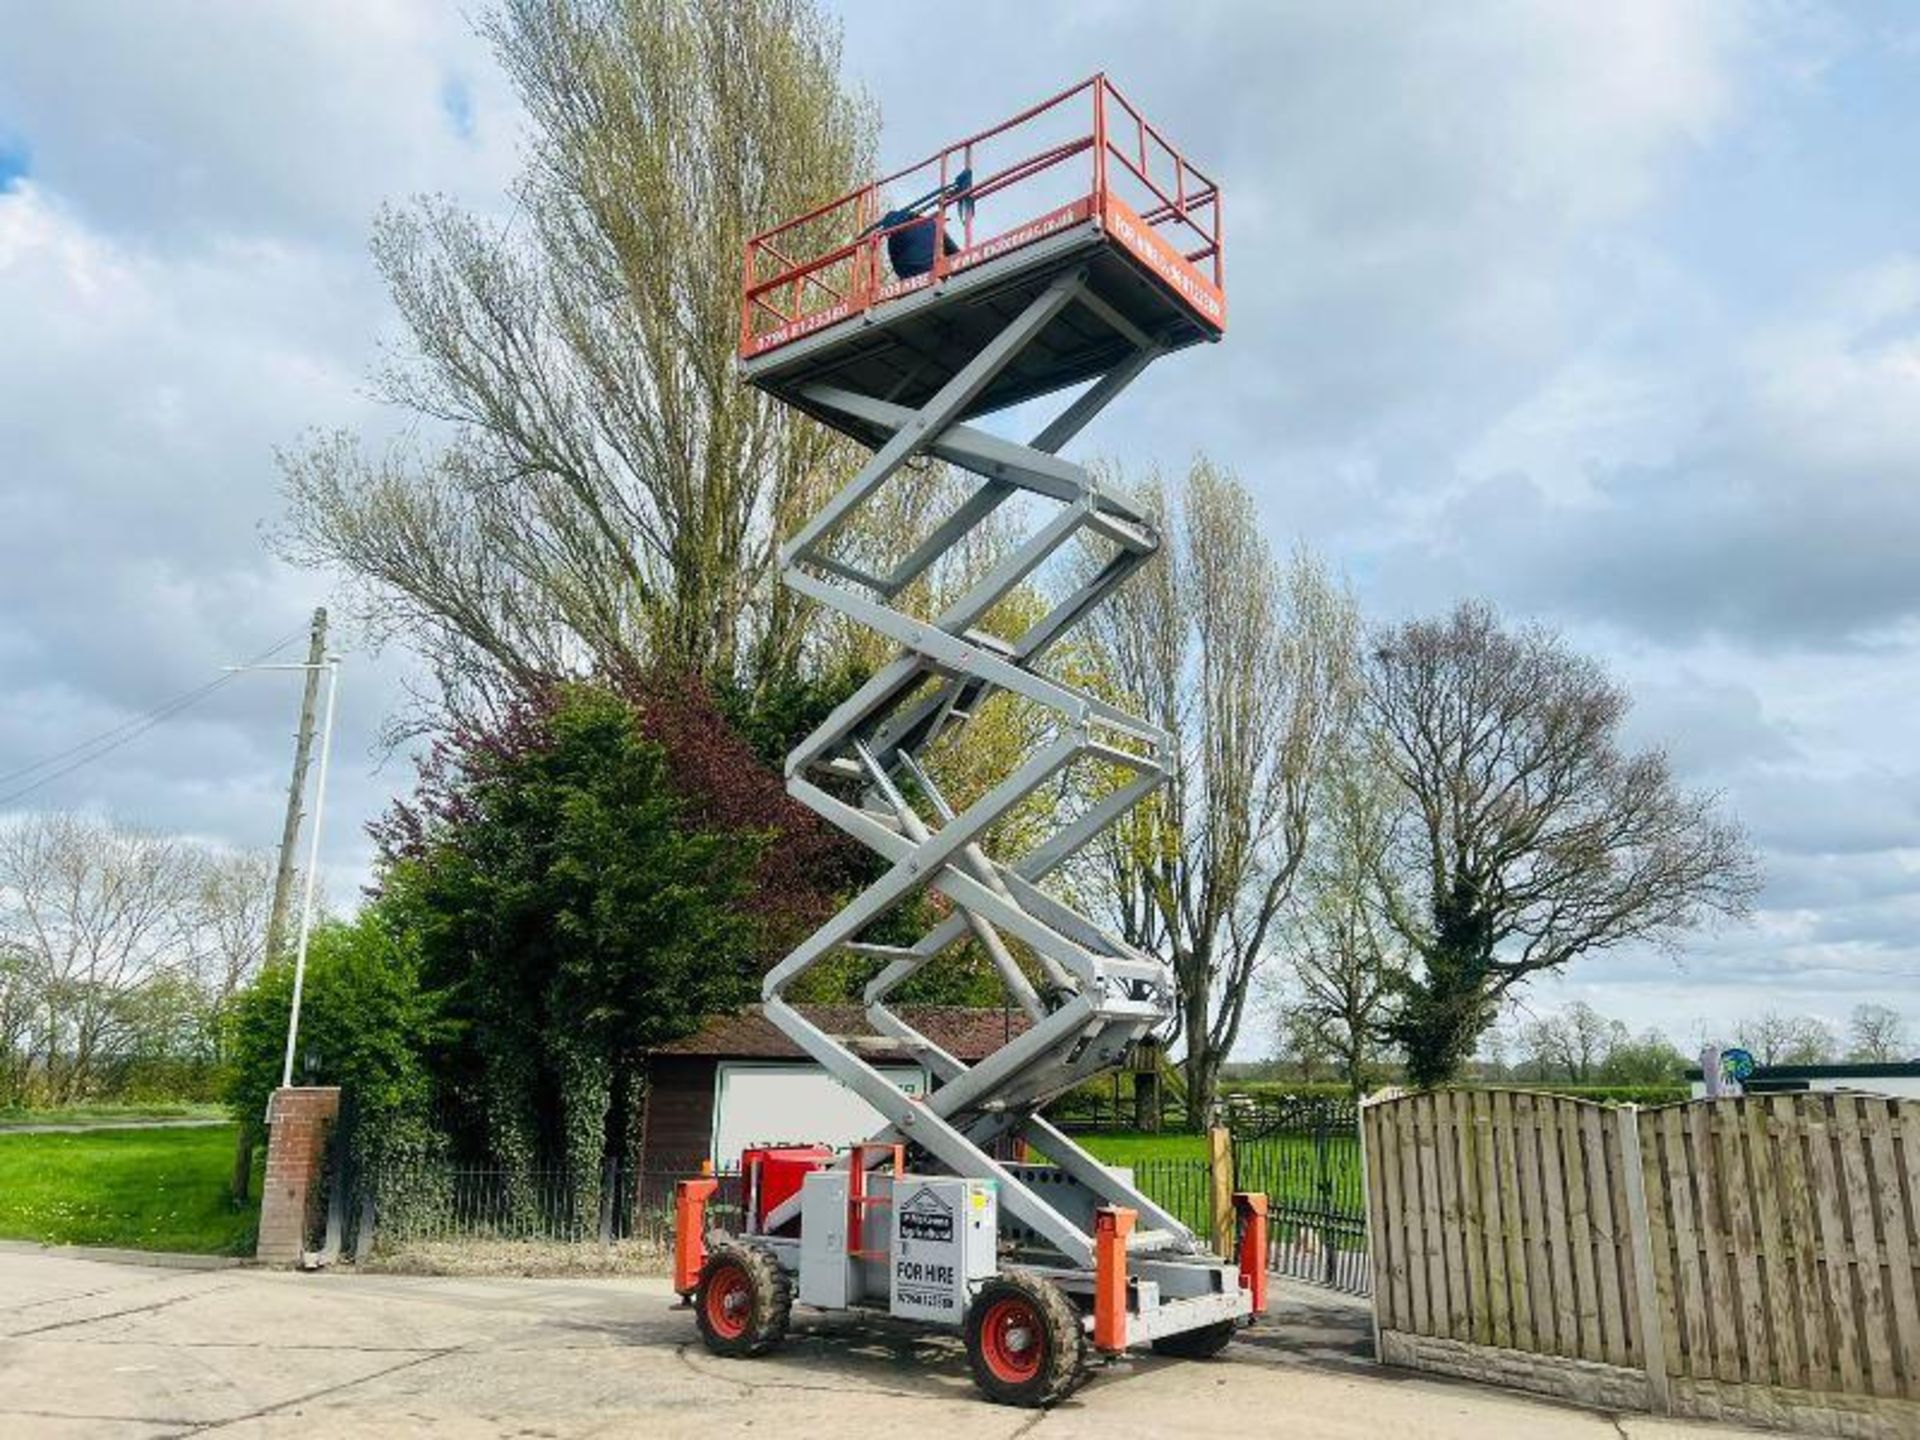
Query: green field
{"x": 12, "y": 1117}
{"x": 1129, "y": 1148}
{"x": 141, "y": 1189}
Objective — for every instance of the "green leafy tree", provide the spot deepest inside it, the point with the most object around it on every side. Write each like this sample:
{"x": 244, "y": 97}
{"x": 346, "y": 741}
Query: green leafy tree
{"x": 1652, "y": 1059}
{"x": 366, "y": 1025}
{"x": 571, "y": 913}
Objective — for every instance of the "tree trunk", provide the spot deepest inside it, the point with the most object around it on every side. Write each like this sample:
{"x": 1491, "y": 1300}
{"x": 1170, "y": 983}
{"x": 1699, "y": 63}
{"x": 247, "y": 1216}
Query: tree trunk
{"x": 1202, "y": 1066}
{"x": 1146, "y": 1101}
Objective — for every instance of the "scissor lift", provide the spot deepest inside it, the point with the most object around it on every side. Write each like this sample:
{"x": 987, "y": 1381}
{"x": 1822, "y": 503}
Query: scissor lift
{"x": 1071, "y": 245}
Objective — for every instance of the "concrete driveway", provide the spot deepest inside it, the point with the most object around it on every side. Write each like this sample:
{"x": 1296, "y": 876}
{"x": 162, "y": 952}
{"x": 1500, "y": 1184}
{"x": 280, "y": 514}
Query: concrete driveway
{"x": 122, "y": 1349}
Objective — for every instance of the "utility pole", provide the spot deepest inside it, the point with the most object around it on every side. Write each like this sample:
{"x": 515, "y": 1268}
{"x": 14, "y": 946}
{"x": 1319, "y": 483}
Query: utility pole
{"x": 296, "y": 789}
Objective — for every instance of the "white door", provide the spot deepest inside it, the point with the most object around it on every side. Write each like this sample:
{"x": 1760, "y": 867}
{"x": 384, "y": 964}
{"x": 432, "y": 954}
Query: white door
{"x": 757, "y": 1103}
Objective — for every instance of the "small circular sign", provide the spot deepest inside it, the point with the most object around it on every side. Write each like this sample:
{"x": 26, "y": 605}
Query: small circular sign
{"x": 1736, "y": 1064}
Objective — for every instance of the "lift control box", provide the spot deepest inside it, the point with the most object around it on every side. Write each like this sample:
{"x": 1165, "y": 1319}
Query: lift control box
{"x": 945, "y": 1230}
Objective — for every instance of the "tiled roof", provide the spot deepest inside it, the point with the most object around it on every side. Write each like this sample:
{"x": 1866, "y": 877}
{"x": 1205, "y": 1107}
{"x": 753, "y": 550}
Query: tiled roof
{"x": 963, "y": 1032}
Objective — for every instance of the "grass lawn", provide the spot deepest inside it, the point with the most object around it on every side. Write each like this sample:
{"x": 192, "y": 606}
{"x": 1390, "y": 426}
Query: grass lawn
{"x": 1298, "y": 1175}
{"x": 142, "y": 1189}
{"x": 1131, "y": 1148}
{"x": 12, "y": 1116}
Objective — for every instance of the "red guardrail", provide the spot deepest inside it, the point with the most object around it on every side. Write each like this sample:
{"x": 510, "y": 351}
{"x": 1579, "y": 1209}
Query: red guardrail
{"x": 1087, "y": 151}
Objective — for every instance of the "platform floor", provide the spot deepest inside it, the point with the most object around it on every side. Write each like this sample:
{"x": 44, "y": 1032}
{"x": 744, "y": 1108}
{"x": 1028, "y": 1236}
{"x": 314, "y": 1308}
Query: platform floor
{"x": 905, "y": 349}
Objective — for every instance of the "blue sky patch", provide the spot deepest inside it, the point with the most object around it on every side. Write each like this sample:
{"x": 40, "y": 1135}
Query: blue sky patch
{"x": 15, "y": 162}
{"x": 456, "y": 103}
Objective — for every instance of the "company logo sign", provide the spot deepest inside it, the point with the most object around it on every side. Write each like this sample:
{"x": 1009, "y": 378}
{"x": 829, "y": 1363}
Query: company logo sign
{"x": 926, "y": 1216}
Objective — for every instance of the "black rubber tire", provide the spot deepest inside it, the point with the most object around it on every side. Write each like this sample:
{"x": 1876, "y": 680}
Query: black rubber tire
{"x": 1062, "y": 1342}
{"x": 768, "y": 1300}
{"x": 1202, "y": 1344}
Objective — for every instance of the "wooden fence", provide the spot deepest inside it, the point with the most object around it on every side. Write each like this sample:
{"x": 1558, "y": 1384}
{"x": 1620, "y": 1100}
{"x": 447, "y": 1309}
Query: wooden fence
{"x": 1784, "y": 1235}
{"x": 1501, "y": 1218}
{"x": 1753, "y": 1257}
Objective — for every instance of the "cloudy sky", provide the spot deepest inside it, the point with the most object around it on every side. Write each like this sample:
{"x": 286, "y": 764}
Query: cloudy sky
{"x": 1609, "y": 314}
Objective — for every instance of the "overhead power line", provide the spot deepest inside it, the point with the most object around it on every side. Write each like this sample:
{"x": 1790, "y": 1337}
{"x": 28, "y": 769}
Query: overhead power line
{"x": 96, "y": 747}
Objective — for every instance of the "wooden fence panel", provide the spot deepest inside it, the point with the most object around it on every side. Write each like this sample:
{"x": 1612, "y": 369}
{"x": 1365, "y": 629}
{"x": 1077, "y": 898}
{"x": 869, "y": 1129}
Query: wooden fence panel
{"x": 1503, "y": 1211}
{"x": 1690, "y": 1290}
{"x": 1773, "y": 1252}
{"x": 1736, "y": 1185}
{"x": 1473, "y": 1224}
{"x": 1514, "y": 1223}
{"x": 1419, "y": 1316}
{"x": 1897, "y": 1186}
{"x": 1803, "y": 1213}
{"x": 1714, "y": 1233}
{"x": 1490, "y": 1189}
{"x": 1533, "y": 1199}
{"x": 1660, "y": 1239}
{"x": 1788, "y": 1132}
{"x": 1576, "y": 1165}
{"x": 1613, "y": 1250}
{"x": 1432, "y": 1235}
{"x": 1452, "y": 1223}
{"x": 1864, "y": 1247}
{"x": 1766, "y": 1241}
{"x": 1383, "y": 1209}
{"x": 1835, "y": 1254}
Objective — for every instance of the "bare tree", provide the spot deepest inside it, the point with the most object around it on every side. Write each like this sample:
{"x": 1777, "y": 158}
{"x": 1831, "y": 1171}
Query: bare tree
{"x": 228, "y": 916}
{"x": 97, "y": 911}
{"x": 1498, "y": 1043}
{"x": 19, "y": 1003}
{"x": 1347, "y": 962}
{"x": 116, "y": 944}
{"x": 603, "y": 493}
{"x": 1877, "y": 1034}
{"x": 1299, "y": 1042}
{"x": 1575, "y": 1044}
{"x": 1776, "y": 1038}
{"x": 1526, "y": 834}
{"x": 1246, "y": 663}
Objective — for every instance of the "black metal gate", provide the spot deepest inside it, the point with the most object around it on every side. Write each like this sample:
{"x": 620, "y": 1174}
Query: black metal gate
{"x": 1303, "y": 1153}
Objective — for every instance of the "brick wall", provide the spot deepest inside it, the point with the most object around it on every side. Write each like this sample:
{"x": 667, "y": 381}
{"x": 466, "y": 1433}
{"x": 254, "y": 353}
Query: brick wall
{"x": 298, "y": 1125}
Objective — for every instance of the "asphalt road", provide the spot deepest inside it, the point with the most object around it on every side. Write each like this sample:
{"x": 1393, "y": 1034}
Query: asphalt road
{"x": 123, "y": 1350}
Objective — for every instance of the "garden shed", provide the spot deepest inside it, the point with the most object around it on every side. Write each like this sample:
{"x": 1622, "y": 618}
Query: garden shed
{"x": 738, "y": 1080}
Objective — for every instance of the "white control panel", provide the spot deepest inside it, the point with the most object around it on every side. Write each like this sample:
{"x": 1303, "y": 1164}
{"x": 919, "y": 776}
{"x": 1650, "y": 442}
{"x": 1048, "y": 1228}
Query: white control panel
{"x": 945, "y": 1231}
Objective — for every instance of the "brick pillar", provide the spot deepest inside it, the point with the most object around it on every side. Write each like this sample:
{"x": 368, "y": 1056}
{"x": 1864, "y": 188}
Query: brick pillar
{"x": 297, "y": 1124}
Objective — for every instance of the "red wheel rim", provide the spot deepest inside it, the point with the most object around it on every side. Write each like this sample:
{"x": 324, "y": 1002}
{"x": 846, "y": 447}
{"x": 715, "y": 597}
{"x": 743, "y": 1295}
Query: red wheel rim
{"x": 729, "y": 1302}
{"x": 1011, "y": 1341}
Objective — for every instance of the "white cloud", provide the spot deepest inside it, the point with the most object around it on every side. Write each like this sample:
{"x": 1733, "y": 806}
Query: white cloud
{"x": 184, "y": 285}
{"x": 173, "y": 122}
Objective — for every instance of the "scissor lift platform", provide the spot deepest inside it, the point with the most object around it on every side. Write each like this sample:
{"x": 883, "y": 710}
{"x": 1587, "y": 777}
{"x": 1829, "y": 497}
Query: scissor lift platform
{"x": 908, "y": 346}
{"x": 1071, "y": 245}
{"x": 1139, "y": 221}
